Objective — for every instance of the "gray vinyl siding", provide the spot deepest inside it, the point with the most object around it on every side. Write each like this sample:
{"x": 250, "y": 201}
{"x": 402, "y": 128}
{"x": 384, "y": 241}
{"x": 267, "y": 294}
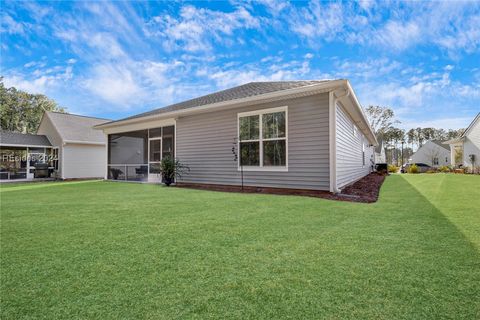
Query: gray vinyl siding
{"x": 204, "y": 143}
{"x": 349, "y": 150}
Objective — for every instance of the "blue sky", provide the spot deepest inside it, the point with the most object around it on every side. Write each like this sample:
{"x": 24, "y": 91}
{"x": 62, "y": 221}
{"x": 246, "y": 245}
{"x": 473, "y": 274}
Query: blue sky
{"x": 114, "y": 59}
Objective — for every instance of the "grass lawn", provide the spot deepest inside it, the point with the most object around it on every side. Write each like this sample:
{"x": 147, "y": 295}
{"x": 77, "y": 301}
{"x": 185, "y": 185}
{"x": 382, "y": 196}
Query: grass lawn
{"x": 116, "y": 250}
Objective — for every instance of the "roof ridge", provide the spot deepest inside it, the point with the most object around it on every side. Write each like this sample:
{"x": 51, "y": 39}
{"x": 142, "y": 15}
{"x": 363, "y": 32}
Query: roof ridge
{"x": 78, "y": 115}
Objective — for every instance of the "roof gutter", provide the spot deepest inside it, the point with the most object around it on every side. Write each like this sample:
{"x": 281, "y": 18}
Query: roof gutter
{"x": 83, "y": 142}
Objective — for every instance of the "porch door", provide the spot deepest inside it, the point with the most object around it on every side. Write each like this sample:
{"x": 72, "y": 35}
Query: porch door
{"x": 32, "y": 159}
{"x": 154, "y": 158}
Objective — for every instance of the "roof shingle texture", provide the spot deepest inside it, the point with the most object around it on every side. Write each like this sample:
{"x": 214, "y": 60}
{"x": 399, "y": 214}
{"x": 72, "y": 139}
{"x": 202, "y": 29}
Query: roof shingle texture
{"x": 16, "y": 138}
{"x": 246, "y": 90}
{"x": 77, "y": 128}
{"x": 441, "y": 144}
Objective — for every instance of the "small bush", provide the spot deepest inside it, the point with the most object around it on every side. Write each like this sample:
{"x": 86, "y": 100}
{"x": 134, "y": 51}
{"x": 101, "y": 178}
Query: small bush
{"x": 444, "y": 169}
{"x": 431, "y": 171}
{"x": 392, "y": 168}
{"x": 413, "y": 169}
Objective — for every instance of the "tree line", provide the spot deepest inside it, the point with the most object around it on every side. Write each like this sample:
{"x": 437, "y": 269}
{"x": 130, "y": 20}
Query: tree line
{"x": 21, "y": 111}
{"x": 400, "y": 143}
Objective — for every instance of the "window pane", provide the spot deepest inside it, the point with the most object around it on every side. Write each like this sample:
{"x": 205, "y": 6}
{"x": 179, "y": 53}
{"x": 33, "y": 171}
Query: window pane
{"x": 273, "y": 125}
{"x": 168, "y": 130}
{"x": 155, "y": 147}
{"x": 155, "y": 133}
{"x": 250, "y": 153}
{"x": 274, "y": 153}
{"x": 155, "y": 168}
{"x": 167, "y": 147}
{"x": 249, "y": 128}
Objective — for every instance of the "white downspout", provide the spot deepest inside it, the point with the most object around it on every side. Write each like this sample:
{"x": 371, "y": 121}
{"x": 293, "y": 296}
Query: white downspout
{"x": 333, "y": 98}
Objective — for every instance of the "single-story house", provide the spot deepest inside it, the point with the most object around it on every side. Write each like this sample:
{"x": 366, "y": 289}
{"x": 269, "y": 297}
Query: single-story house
{"x": 434, "y": 153}
{"x": 19, "y": 154}
{"x": 68, "y": 143}
{"x": 311, "y": 135}
{"x": 465, "y": 151}
{"x": 380, "y": 155}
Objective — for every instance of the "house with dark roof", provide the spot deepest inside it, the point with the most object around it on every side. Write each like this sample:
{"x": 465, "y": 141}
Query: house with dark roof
{"x": 434, "y": 153}
{"x": 465, "y": 151}
{"x": 310, "y": 135}
{"x": 66, "y": 146}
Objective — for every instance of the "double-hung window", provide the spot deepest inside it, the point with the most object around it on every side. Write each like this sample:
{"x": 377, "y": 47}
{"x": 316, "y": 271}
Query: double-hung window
{"x": 263, "y": 139}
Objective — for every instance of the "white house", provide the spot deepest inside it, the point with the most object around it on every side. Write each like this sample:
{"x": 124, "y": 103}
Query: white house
{"x": 65, "y": 143}
{"x": 465, "y": 151}
{"x": 434, "y": 153}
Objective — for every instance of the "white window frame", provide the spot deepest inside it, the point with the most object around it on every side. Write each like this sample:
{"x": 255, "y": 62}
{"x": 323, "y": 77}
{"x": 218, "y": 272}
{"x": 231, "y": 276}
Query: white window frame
{"x": 260, "y": 140}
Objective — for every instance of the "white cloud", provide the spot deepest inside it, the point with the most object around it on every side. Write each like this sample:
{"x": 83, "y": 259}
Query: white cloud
{"x": 195, "y": 29}
{"x": 40, "y": 80}
{"x": 308, "y": 56}
{"x": 10, "y": 26}
{"x": 114, "y": 84}
{"x": 399, "y": 35}
{"x": 318, "y": 20}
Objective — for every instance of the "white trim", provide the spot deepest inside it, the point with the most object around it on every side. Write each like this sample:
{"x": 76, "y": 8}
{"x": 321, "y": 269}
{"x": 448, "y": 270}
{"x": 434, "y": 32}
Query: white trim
{"x": 23, "y": 145}
{"x": 154, "y": 176}
{"x": 83, "y": 142}
{"x": 62, "y": 171}
{"x": 106, "y": 158}
{"x": 260, "y": 139}
{"x": 150, "y": 124}
{"x": 267, "y": 168}
{"x": 332, "y": 125}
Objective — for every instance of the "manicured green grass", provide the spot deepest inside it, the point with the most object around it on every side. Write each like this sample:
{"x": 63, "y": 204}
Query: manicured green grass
{"x": 114, "y": 250}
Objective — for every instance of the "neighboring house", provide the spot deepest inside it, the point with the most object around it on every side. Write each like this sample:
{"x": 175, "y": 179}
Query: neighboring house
{"x": 19, "y": 153}
{"x": 434, "y": 153}
{"x": 380, "y": 156}
{"x": 287, "y": 134}
{"x": 67, "y": 142}
{"x": 468, "y": 145}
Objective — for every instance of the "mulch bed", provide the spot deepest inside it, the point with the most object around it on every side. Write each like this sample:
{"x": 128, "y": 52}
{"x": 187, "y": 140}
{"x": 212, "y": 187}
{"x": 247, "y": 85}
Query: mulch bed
{"x": 365, "y": 190}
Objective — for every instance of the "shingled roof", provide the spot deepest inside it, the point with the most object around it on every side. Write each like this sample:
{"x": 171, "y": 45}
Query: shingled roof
{"x": 74, "y": 127}
{"x": 246, "y": 90}
{"x": 441, "y": 144}
{"x": 8, "y": 138}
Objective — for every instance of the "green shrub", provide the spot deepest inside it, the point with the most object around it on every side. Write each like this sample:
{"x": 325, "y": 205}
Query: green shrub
{"x": 444, "y": 169}
{"x": 431, "y": 171}
{"x": 172, "y": 168}
{"x": 413, "y": 169}
{"x": 392, "y": 168}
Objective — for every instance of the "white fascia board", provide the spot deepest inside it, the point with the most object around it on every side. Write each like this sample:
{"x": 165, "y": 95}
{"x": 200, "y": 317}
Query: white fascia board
{"x": 326, "y": 86}
{"x": 23, "y": 145}
{"x": 83, "y": 142}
